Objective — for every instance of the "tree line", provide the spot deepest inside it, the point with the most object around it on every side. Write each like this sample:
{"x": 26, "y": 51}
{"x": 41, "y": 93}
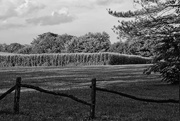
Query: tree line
{"x": 88, "y": 43}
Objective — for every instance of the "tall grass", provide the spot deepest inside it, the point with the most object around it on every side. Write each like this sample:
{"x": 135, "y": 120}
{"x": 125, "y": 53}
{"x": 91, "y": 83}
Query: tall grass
{"x": 65, "y": 59}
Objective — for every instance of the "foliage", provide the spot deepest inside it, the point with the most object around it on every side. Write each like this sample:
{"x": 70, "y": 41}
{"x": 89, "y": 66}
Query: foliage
{"x": 120, "y": 59}
{"x": 70, "y": 59}
{"x": 3, "y": 47}
{"x": 54, "y": 43}
{"x": 27, "y": 49}
{"x": 132, "y": 47}
{"x": 157, "y": 24}
{"x": 75, "y": 45}
{"x": 50, "y": 43}
{"x": 91, "y": 43}
{"x": 65, "y": 39}
{"x": 14, "y": 47}
{"x": 118, "y": 47}
{"x": 11, "y": 48}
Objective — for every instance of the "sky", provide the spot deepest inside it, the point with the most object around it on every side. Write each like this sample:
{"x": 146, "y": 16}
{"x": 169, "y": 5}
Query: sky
{"x": 23, "y": 20}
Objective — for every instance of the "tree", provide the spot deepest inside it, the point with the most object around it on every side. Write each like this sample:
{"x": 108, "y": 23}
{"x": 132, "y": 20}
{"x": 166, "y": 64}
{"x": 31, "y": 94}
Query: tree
{"x": 14, "y": 47}
{"x": 90, "y": 42}
{"x": 27, "y": 49}
{"x": 75, "y": 45}
{"x": 136, "y": 46}
{"x": 3, "y": 47}
{"x": 64, "y": 39}
{"x": 157, "y": 24}
{"x": 45, "y": 43}
{"x": 119, "y": 47}
{"x": 50, "y": 43}
{"x": 132, "y": 48}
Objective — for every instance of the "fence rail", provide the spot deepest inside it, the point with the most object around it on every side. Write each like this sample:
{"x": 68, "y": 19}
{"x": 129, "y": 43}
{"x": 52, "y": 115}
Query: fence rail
{"x": 137, "y": 98}
{"x": 7, "y": 92}
{"x": 56, "y": 93}
{"x": 92, "y": 104}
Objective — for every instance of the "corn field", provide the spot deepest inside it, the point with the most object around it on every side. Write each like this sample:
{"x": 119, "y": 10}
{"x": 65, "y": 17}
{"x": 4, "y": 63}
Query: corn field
{"x": 74, "y": 59}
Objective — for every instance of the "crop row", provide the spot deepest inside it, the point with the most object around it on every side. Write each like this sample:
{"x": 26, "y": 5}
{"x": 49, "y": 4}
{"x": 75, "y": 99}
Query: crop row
{"x": 70, "y": 59}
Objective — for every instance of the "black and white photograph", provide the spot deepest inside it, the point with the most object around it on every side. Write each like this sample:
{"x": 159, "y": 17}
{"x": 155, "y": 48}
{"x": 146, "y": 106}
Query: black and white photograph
{"x": 89, "y": 60}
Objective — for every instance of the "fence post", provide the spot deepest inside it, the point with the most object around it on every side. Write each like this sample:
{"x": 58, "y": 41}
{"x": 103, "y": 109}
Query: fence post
{"x": 93, "y": 98}
{"x": 17, "y": 95}
{"x": 179, "y": 92}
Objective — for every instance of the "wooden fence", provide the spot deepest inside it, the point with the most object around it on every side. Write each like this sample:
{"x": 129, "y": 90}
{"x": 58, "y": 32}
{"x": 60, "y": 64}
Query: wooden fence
{"x": 92, "y": 104}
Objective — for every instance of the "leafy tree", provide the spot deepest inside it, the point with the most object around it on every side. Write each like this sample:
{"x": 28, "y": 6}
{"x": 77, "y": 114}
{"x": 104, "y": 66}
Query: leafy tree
{"x": 90, "y": 42}
{"x": 75, "y": 45}
{"x": 14, "y": 47}
{"x": 101, "y": 41}
{"x": 157, "y": 24}
{"x": 119, "y": 47}
{"x": 65, "y": 39}
{"x": 3, "y": 47}
{"x": 50, "y": 43}
{"x": 131, "y": 47}
{"x": 45, "y": 43}
{"x": 139, "y": 47}
{"x": 27, "y": 49}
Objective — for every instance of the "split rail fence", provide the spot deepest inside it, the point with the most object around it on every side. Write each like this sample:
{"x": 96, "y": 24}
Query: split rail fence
{"x": 92, "y": 104}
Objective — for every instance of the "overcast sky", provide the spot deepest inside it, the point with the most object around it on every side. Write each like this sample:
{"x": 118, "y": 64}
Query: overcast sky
{"x": 23, "y": 20}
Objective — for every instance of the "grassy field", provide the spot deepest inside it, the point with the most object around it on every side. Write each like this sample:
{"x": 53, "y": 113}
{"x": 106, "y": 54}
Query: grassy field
{"x": 35, "y": 106}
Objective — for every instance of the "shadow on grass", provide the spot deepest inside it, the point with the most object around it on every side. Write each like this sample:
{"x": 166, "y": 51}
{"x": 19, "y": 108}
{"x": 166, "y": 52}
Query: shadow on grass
{"x": 6, "y": 112}
{"x": 165, "y": 84}
{"x": 152, "y": 119}
{"x": 9, "y": 112}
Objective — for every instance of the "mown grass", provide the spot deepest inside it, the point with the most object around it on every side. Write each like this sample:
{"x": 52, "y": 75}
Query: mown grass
{"x": 52, "y": 77}
{"x": 35, "y": 106}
